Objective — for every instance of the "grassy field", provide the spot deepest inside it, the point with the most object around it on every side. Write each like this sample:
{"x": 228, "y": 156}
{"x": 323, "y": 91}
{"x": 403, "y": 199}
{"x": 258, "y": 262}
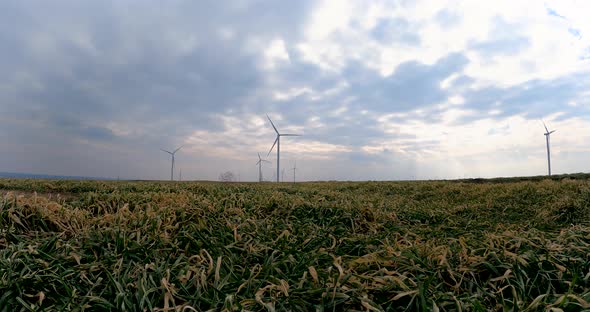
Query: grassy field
{"x": 373, "y": 246}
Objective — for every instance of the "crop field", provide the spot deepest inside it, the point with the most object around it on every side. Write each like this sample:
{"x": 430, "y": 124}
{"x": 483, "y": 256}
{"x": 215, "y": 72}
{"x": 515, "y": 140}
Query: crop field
{"x": 333, "y": 246}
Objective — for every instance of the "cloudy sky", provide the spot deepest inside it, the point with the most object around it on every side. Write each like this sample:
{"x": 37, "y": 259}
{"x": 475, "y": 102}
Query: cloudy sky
{"x": 380, "y": 89}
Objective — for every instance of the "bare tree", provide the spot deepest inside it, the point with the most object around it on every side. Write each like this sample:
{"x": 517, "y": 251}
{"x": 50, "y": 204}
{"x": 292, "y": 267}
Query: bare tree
{"x": 227, "y": 176}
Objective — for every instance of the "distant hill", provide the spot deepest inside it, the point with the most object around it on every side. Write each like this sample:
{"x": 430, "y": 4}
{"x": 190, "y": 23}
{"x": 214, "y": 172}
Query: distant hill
{"x": 15, "y": 175}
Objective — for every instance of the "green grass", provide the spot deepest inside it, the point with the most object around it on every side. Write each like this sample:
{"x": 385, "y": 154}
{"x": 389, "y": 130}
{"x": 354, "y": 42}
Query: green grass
{"x": 334, "y": 246}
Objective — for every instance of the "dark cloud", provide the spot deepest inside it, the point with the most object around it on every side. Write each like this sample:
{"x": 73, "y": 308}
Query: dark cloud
{"x": 159, "y": 70}
{"x": 412, "y": 85}
{"x": 365, "y": 96}
{"x": 356, "y": 131}
{"x": 533, "y": 99}
{"x": 75, "y": 128}
{"x": 142, "y": 62}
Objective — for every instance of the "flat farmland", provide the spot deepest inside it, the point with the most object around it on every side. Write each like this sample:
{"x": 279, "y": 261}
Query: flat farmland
{"x": 517, "y": 245}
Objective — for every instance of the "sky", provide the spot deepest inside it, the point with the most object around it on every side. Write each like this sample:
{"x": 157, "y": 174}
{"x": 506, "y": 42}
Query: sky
{"x": 379, "y": 89}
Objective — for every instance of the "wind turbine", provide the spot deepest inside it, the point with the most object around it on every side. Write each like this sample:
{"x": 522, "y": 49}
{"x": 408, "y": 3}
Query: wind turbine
{"x": 278, "y": 144}
{"x": 259, "y": 163}
{"x": 547, "y": 134}
{"x": 294, "y": 168}
{"x": 172, "y": 168}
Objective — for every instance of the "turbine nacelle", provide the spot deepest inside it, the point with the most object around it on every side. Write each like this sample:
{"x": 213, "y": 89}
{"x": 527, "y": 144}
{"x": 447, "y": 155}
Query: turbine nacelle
{"x": 277, "y": 142}
{"x": 278, "y": 135}
{"x": 259, "y": 164}
{"x": 172, "y": 154}
{"x": 260, "y": 160}
{"x": 547, "y": 132}
{"x": 547, "y": 136}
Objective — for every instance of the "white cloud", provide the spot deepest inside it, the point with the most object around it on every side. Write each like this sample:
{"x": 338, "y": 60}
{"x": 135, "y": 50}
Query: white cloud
{"x": 275, "y": 54}
{"x": 339, "y": 32}
{"x": 487, "y": 147}
{"x": 291, "y": 93}
{"x": 242, "y": 138}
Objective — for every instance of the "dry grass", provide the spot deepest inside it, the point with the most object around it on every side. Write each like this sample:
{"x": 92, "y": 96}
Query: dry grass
{"x": 447, "y": 246}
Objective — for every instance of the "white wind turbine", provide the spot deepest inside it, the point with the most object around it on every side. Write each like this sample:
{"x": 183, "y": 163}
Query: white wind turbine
{"x": 259, "y": 163}
{"x": 294, "y": 168}
{"x": 278, "y": 144}
{"x": 547, "y": 134}
{"x": 172, "y": 168}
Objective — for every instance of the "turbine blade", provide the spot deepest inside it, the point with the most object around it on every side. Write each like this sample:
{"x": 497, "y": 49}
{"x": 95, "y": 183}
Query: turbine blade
{"x": 273, "y": 145}
{"x": 289, "y": 134}
{"x": 259, "y": 159}
{"x": 544, "y": 125}
{"x": 163, "y": 150}
{"x": 273, "y": 125}
{"x": 176, "y": 150}
{"x": 552, "y": 131}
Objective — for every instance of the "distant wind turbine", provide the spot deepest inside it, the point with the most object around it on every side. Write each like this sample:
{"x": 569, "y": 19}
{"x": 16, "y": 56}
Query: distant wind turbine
{"x": 172, "y": 168}
{"x": 294, "y": 168}
{"x": 259, "y": 163}
{"x": 278, "y": 144}
{"x": 547, "y": 134}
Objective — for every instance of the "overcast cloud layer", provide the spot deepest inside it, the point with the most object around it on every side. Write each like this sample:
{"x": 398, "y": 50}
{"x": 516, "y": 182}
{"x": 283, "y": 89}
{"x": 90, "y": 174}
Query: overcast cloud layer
{"x": 381, "y": 90}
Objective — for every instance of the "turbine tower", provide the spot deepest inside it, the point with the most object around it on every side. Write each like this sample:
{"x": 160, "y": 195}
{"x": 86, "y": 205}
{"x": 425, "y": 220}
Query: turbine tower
{"x": 259, "y": 163}
{"x": 278, "y": 144}
{"x": 294, "y": 168}
{"x": 172, "y": 168}
{"x": 547, "y": 134}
